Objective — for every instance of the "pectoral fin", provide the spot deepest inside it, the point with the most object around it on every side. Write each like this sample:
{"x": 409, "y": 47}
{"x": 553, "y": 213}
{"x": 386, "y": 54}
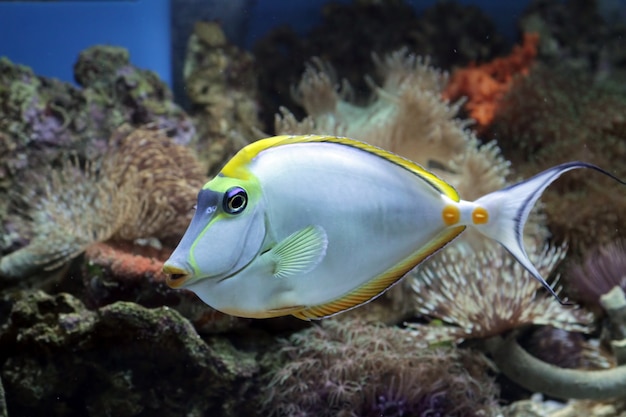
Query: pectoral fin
{"x": 299, "y": 252}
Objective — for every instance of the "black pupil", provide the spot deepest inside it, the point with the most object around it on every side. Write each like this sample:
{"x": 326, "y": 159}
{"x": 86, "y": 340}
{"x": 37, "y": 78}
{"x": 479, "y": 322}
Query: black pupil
{"x": 236, "y": 200}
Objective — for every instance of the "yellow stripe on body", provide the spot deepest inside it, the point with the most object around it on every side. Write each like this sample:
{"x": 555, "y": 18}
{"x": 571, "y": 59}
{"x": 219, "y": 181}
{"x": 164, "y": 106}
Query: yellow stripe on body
{"x": 237, "y": 166}
{"x": 379, "y": 284}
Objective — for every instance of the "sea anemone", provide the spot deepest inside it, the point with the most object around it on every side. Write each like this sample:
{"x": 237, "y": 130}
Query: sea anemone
{"x": 144, "y": 187}
{"x": 487, "y": 293}
{"x": 166, "y": 177}
{"x": 355, "y": 369}
{"x": 406, "y": 115}
{"x": 57, "y": 211}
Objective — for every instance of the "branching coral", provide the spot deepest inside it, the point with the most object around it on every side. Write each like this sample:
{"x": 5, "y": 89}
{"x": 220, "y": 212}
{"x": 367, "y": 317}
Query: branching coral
{"x": 485, "y": 85}
{"x": 354, "y": 369}
{"x": 478, "y": 295}
{"x": 145, "y": 186}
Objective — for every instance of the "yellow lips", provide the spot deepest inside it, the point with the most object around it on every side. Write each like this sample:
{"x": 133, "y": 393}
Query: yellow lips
{"x": 176, "y": 277}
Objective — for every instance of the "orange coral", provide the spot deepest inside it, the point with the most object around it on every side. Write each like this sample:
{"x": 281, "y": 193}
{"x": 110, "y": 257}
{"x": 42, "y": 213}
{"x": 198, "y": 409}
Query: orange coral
{"x": 484, "y": 85}
{"x": 130, "y": 261}
{"x": 129, "y": 272}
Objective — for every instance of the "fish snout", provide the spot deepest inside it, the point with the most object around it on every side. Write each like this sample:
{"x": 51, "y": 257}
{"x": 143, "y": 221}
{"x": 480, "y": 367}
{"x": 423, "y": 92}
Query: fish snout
{"x": 176, "y": 276}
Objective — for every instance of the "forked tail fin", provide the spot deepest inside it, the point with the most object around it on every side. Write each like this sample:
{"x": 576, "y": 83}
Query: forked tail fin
{"x": 509, "y": 208}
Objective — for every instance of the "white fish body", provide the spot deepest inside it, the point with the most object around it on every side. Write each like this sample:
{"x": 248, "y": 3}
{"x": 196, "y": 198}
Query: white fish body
{"x": 328, "y": 224}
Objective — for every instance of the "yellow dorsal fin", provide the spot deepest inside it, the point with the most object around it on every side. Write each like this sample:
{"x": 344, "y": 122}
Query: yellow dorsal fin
{"x": 378, "y": 285}
{"x": 237, "y": 166}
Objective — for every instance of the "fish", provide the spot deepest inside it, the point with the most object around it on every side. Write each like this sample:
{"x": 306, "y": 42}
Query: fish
{"x": 315, "y": 225}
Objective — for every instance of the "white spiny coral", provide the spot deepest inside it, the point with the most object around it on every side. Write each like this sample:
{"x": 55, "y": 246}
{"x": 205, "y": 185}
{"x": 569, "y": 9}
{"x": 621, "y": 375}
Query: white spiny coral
{"x": 486, "y": 293}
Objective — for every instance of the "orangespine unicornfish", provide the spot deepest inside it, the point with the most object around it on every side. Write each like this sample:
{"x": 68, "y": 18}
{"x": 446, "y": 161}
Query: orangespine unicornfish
{"x": 316, "y": 225}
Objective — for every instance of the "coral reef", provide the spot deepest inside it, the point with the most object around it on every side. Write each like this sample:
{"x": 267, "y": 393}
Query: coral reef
{"x": 450, "y": 33}
{"x": 60, "y": 359}
{"x": 144, "y": 186}
{"x": 487, "y": 293}
{"x": 42, "y": 119}
{"x": 555, "y": 115}
{"x": 355, "y": 369}
{"x": 220, "y": 81}
{"x": 107, "y": 174}
{"x": 485, "y": 85}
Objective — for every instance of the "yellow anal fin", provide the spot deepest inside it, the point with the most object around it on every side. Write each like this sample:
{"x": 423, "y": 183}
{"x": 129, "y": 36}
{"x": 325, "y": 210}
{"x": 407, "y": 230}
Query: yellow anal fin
{"x": 381, "y": 283}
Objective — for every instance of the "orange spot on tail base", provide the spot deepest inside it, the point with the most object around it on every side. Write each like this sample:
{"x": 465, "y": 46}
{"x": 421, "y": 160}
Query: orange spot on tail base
{"x": 451, "y": 215}
{"x": 480, "y": 215}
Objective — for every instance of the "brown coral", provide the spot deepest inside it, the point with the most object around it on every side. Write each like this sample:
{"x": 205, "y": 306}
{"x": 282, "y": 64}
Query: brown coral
{"x": 484, "y": 85}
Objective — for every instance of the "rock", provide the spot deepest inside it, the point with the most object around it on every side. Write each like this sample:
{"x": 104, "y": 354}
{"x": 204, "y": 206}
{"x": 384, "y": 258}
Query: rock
{"x": 61, "y": 359}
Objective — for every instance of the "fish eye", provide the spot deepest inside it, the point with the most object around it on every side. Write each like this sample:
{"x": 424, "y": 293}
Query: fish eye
{"x": 235, "y": 200}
